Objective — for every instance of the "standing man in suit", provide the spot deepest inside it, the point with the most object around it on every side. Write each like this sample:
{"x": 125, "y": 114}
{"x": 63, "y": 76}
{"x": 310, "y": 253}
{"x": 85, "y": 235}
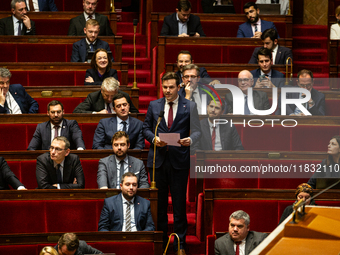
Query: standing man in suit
{"x": 122, "y": 122}
{"x": 280, "y": 54}
{"x": 182, "y": 23}
{"x": 41, "y": 5}
{"x": 91, "y": 42}
{"x": 77, "y": 24}
{"x": 220, "y": 136}
{"x": 112, "y": 168}
{"x": 239, "y": 240}
{"x": 126, "y": 211}
{"x": 56, "y": 126}
{"x": 260, "y": 98}
{"x": 7, "y": 177}
{"x": 172, "y": 163}
{"x": 70, "y": 244}
{"x": 101, "y": 101}
{"x": 58, "y": 169}
{"x": 265, "y": 76}
{"x": 14, "y": 98}
{"x": 254, "y": 26}
{"x": 19, "y": 23}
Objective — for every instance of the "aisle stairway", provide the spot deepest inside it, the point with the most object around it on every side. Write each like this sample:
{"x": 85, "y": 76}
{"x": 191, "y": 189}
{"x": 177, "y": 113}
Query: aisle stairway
{"x": 310, "y": 51}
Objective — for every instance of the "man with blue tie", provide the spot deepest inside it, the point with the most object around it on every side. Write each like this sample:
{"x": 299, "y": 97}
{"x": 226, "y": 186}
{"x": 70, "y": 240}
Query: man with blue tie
{"x": 254, "y": 26}
{"x": 41, "y": 5}
{"x": 172, "y": 163}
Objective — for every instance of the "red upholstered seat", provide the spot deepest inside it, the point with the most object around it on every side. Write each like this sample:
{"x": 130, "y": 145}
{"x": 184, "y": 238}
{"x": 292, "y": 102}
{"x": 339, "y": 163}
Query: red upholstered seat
{"x": 60, "y": 26}
{"x": 31, "y": 249}
{"x": 220, "y": 29}
{"x": 52, "y": 52}
{"x": 15, "y": 168}
{"x": 90, "y": 168}
{"x": 13, "y": 137}
{"x": 8, "y": 53}
{"x": 210, "y": 249}
{"x": 237, "y": 54}
{"x": 69, "y": 103}
{"x": 136, "y": 248}
{"x": 332, "y": 107}
{"x": 88, "y": 130}
{"x": 28, "y": 177}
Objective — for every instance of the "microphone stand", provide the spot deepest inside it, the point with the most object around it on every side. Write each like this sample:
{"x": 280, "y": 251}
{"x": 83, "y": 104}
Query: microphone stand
{"x": 153, "y": 183}
{"x": 135, "y": 22}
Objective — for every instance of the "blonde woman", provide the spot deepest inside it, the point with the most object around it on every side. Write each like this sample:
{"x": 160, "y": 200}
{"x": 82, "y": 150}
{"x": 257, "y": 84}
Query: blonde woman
{"x": 48, "y": 250}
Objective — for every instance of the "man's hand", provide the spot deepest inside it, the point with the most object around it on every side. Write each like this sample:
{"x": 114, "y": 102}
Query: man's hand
{"x": 214, "y": 82}
{"x": 257, "y": 34}
{"x": 188, "y": 91}
{"x": 103, "y": 111}
{"x": 26, "y": 20}
{"x": 105, "y": 187}
{"x": 159, "y": 143}
{"x": 185, "y": 141}
{"x": 55, "y": 185}
{"x": 89, "y": 79}
{"x": 183, "y": 35}
{"x": 75, "y": 181}
{"x": 197, "y": 35}
{"x": 265, "y": 83}
{"x": 2, "y": 97}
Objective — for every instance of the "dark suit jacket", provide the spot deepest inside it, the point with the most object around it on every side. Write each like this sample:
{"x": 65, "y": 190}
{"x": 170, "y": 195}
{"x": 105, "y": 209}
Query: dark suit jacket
{"x": 225, "y": 245}
{"x": 281, "y": 56}
{"x": 170, "y": 25}
{"x": 46, "y": 5}
{"x": 230, "y": 139}
{"x": 97, "y": 79}
{"x": 203, "y": 74}
{"x": 41, "y": 139}
{"x": 7, "y": 177}
{"x": 278, "y": 78}
{"x": 79, "y": 49}
{"x": 26, "y": 103}
{"x": 245, "y": 30}
{"x": 47, "y": 176}
{"x": 112, "y": 217}
{"x": 318, "y": 108}
{"x": 95, "y": 103}
{"x": 77, "y": 25}
{"x": 83, "y": 248}
{"x": 186, "y": 124}
{"x": 260, "y": 98}
{"x": 108, "y": 127}
{"x": 6, "y": 27}
{"x": 107, "y": 172}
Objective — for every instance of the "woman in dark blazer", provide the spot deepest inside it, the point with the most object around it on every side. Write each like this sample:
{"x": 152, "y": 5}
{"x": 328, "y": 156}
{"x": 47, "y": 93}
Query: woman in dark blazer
{"x": 101, "y": 68}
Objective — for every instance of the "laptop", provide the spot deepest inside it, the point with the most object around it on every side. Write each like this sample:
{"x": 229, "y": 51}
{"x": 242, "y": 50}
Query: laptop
{"x": 273, "y": 9}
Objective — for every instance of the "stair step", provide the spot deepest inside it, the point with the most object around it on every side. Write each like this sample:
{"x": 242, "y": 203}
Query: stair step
{"x": 141, "y": 63}
{"x": 128, "y": 38}
{"x": 308, "y": 30}
{"x": 144, "y": 102}
{"x": 301, "y": 42}
{"x": 142, "y": 76}
{"x": 310, "y": 55}
{"x": 125, "y": 27}
{"x": 315, "y": 67}
{"x": 193, "y": 246}
{"x": 147, "y": 89}
{"x": 191, "y": 217}
{"x": 127, "y": 51}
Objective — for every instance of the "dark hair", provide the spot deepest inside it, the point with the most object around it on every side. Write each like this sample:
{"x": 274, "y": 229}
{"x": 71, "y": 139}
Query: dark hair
{"x": 70, "y": 240}
{"x": 271, "y": 33}
{"x": 127, "y": 174}
{"x": 191, "y": 67}
{"x": 185, "y": 52}
{"x": 218, "y": 101}
{"x": 184, "y": 5}
{"x": 117, "y": 96}
{"x": 120, "y": 134}
{"x": 54, "y": 103}
{"x": 64, "y": 139}
{"x": 170, "y": 76}
{"x": 305, "y": 71}
{"x": 329, "y": 159}
{"x": 264, "y": 52}
{"x": 94, "y": 62}
{"x": 250, "y": 4}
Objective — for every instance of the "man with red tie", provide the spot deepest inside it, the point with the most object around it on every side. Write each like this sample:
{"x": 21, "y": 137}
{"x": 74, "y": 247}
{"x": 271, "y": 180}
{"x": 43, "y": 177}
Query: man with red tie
{"x": 172, "y": 163}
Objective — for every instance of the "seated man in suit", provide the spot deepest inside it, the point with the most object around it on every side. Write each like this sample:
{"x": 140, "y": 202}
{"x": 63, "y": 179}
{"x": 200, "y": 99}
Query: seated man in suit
{"x": 101, "y": 101}
{"x": 56, "y": 126}
{"x": 265, "y": 76}
{"x": 58, "y": 169}
{"x": 14, "y": 98}
{"x": 239, "y": 238}
{"x": 284, "y": 4}
{"x": 77, "y": 24}
{"x": 126, "y": 211}
{"x": 41, "y": 5}
{"x": 254, "y": 27}
{"x": 184, "y": 58}
{"x": 91, "y": 42}
{"x": 7, "y": 177}
{"x": 316, "y": 105}
{"x": 182, "y": 23}
{"x": 280, "y": 54}
{"x": 19, "y": 23}
{"x": 106, "y": 128}
{"x": 70, "y": 244}
{"x": 112, "y": 168}
{"x": 218, "y": 137}
{"x": 260, "y": 98}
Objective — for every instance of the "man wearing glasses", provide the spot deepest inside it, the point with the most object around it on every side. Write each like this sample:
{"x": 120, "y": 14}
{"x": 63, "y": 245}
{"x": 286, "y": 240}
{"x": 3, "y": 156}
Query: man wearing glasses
{"x": 260, "y": 98}
{"x": 58, "y": 169}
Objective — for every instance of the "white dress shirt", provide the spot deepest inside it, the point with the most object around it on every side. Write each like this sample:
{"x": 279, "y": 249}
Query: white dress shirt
{"x": 132, "y": 210}
{"x": 12, "y": 104}
{"x": 258, "y": 25}
{"x": 120, "y": 125}
{"x": 53, "y": 130}
{"x": 218, "y": 144}
{"x": 182, "y": 27}
{"x": 242, "y": 247}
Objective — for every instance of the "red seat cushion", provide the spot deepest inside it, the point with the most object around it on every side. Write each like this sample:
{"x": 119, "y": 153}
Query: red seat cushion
{"x": 90, "y": 168}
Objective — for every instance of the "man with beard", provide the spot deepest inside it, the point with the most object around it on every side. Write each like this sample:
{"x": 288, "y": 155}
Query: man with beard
{"x": 112, "y": 168}
{"x": 254, "y": 26}
{"x": 56, "y": 126}
{"x": 218, "y": 137}
{"x": 126, "y": 211}
{"x": 239, "y": 240}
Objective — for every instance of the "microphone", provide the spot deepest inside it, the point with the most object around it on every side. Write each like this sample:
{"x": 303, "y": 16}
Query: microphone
{"x": 135, "y": 22}
{"x": 161, "y": 115}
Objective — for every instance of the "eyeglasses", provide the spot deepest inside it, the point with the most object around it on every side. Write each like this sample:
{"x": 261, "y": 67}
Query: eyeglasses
{"x": 190, "y": 76}
{"x": 56, "y": 149}
{"x": 305, "y": 85}
{"x": 244, "y": 80}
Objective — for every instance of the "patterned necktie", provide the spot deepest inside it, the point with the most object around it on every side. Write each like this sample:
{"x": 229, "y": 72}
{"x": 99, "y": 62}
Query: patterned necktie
{"x": 109, "y": 108}
{"x": 56, "y": 131}
{"x": 121, "y": 171}
{"x": 171, "y": 115}
{"x": 124, "y": 126}
{"x": 213, "y": 138}
{"x": 59, "y": 178}
{"x": 91, "y": 47}
{"x": 128, "y": 216}
{"x": 255, "y": 28}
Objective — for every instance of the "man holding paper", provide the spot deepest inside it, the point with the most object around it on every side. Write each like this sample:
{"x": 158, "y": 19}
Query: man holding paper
{"x": 172, "y": 162}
